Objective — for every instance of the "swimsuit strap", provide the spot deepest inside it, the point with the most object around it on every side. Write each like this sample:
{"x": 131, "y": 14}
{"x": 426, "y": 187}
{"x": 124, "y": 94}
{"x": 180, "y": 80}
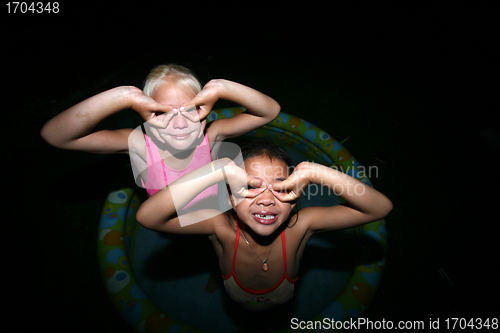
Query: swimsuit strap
{"x": 153, "y": 156}
{"x": 225, "y": 277}
{"x": 203, "y": 148}
{"x": 265, "y": 291}
{"x": 284, "y": 258}
{"x": 236, "y": 246}
{"x": 151, "y": 152}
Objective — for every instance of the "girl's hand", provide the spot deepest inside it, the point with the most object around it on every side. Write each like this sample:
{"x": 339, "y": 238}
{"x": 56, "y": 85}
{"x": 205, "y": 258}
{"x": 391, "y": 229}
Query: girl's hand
{"x": 165, "y": 118}
{"x": 156, "y": 114}
{"x": 242, "y": 185}
{"x": 292, "y": 188}
{"x": 206, "y": 98}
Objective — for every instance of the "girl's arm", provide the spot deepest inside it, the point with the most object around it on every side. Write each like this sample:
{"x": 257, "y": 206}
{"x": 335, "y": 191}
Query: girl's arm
{"x": 160, "y": 211}
{"x": 261, "y": 108}
{"x": 363, "y": 203}
{"x": 72, "y": 129}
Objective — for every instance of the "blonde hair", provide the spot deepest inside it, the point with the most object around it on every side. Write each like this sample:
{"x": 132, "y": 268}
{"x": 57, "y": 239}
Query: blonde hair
{"x": 179, "y": 75}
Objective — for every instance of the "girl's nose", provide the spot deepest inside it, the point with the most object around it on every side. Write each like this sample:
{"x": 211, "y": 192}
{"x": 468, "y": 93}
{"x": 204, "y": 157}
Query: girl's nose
{"x": 266, "y": 198}
{"x": 179, "y": 122}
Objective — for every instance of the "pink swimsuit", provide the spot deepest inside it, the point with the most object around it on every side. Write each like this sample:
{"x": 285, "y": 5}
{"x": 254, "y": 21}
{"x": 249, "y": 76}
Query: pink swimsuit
{"x": 160, "y": 175}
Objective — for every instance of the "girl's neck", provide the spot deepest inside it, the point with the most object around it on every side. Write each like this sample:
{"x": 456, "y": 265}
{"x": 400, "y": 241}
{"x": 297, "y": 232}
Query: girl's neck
{"x": 259, "y": 239}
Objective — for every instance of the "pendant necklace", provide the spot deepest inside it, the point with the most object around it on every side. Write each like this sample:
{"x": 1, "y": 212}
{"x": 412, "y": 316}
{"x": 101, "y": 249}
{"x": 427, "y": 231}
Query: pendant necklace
{"x": 265, "y": 266}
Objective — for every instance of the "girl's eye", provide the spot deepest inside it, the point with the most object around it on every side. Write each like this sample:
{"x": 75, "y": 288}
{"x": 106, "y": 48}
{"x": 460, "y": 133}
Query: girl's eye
{"x": 281, "y": 191}
{"x": 190, "y": 110}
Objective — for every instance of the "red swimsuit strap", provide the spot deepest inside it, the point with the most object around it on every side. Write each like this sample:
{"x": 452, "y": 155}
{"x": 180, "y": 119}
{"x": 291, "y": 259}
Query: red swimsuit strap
{"x": 235, "y": 247}
{"x": 284, "y": 259}
{"x": 225, "y": 277}
{"x": 265, "y": 291}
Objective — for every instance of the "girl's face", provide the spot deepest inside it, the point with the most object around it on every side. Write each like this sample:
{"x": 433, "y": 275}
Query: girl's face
{"x": 265, "y": 212}
{"x": 184, "y": 128}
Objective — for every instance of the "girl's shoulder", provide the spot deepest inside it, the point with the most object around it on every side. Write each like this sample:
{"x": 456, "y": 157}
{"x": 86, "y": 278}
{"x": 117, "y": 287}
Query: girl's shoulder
{"x": 137, "y": 142}
{"x": 298, "y": 224}
{"x": 225, "y": 229}
{"x": 211, "y": 132}
{"x": 297, "y": 234}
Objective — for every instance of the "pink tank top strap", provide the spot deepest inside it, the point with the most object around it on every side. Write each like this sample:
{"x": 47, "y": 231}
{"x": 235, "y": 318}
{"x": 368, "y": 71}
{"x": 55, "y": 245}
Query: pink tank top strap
{"x": 160, "y": 175}
{"x": 153, "y": 156}
{"x": 151, "y": 153}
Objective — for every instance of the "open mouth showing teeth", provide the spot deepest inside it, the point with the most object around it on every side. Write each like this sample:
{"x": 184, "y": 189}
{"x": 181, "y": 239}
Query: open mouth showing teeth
{"x": 265, "y": 217}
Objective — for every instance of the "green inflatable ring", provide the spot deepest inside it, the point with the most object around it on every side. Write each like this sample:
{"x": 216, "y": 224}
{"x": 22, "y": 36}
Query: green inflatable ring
{"x": 118, "y": 226}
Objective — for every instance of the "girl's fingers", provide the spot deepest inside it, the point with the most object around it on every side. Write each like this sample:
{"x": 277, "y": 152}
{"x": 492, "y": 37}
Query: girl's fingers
{"x": 190, "y": 112}
{"x": 156, "y": 122}
{"x": 154, "y": 131}
{"x": 286, "y": 196}
{"x": 287, "y": 184}
{"x": 248, "y": 187}
{"x": 162, "y": 108}
{"x": 255, "y": 182}
{"x": 288, "y": 190}
{"x": 282, "y": 192}
{"x": 161, "y": 120}
{"x": 250, "y": 192}
{"x": 161, "y": 114}
{"x": 203, "y": 112}
{"x": 203, "y": 102}
{"x": 202, "y": 129}
{"x": 195, "y": 101}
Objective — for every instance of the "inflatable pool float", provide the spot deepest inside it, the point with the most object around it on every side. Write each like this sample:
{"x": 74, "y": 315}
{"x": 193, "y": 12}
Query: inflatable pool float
{"x": 347, "y": 293}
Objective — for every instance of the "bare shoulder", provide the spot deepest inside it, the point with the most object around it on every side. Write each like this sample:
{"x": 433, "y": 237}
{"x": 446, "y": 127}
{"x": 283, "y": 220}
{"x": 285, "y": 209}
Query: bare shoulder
{"x": 212, "y": 131}
{"x": 224, "y": 229}
{"x": 136, "y": 142}
{"x": 298, "y": 227}
{"x": 320, "y": 219}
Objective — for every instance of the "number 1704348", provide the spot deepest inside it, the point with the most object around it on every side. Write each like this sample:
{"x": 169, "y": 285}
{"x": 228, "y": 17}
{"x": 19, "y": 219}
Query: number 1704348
{"x": 16, "y": 7}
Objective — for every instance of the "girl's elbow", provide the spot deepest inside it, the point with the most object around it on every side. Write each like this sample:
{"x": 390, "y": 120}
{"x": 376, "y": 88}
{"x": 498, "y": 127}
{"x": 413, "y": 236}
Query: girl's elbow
{"x": 142, "y": 218}
{"x": 386, "y": 208}
{"x": 148, "y": 220}
{"x": 276, "y": 109}
{"x": 45, "y": 134}
{"x": 273, "y": 112}
{"x": 48, "y": 135}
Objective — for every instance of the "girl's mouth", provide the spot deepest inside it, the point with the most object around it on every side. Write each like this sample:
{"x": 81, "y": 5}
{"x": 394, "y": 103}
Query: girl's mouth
{"x": 265, "y": 218}
{"x": 181, "y": 137}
